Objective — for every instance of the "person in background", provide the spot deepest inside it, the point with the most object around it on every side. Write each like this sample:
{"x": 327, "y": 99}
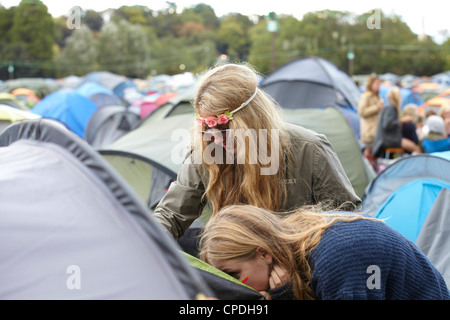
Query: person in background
{"x": 310, "y": 254}
{"x": 434, "y": 137}
{"x": 389, "y": 132}
{"x": 303, "y": 168}
{"x": 445, "y": 114}
{"x": 409, "y": 118}
{"x": 369, "y": 107}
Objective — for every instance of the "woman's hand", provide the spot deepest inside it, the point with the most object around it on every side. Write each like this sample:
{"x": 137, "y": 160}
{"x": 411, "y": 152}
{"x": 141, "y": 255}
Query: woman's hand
{"x": 266, "y": 295}
{"x": 278, "y": 277}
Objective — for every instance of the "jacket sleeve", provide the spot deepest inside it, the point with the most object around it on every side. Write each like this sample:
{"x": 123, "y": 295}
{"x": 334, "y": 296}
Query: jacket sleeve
{"x": 365, "y": 109}
{"x": 182, "y": 203}
{"x": 330, "y": 182}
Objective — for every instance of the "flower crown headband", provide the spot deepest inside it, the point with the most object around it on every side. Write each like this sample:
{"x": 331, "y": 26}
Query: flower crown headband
{"x": 224, "y": 117}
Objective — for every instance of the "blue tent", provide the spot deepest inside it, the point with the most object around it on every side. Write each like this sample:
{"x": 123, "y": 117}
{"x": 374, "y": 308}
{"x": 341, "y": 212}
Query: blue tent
{"x": 98, "y": 94}
{"x": 401, "y": 172}
{"x": 114, "y": 82}
{"x": 405, "y": 215}
{"x": 412, "y": 196}
{"x": 69, "y": 107}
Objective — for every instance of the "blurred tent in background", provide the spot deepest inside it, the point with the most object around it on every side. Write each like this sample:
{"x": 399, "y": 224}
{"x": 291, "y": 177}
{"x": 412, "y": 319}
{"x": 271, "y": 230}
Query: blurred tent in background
{"x": 151, "y": 102}
{"x": 26, "y": 95}
{"x": 9, "y": 115}
{"x": 84, "y": 218}
{"x": 40, "y": 86}
{"x": 314, "y": 82}
{"x": 13, "y": 101}
{"x": 108, "y": 124}
{"x": 408, "y": 96}
{"x": 98, "y": 94}
{"x": 114, "y": 82}
{"x": 68, "y": 107}
{"x": 310, "y": 83}
{"x": 70, "y": 82}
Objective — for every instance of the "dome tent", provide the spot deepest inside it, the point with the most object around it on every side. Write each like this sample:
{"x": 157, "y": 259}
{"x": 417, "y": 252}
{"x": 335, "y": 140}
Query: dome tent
{"x": 78, "y": 212}
{"x": 68, "y": 107}
{"x": 310, "y": 83}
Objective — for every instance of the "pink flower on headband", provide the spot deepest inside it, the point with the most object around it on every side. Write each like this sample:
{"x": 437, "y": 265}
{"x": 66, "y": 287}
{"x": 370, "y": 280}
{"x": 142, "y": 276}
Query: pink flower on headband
{"x": 223, "y": 119}
{"x": 212, "y": 121}
{"x": 200, "y": 121}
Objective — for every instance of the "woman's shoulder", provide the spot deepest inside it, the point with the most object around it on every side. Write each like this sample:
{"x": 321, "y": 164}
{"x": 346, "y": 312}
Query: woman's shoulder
{"x": 360, "y": 238}
{"x": 301, "y": 134}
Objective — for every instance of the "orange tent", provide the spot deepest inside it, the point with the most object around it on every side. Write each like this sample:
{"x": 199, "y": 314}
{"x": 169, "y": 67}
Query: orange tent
{"x": 433, "y": 104}
{"x": 26, "y": 95}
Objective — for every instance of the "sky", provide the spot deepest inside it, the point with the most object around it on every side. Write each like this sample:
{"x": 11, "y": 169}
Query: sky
{"x": 429, "y": 16}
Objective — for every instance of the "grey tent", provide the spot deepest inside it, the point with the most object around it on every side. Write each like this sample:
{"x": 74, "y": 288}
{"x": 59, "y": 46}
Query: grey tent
{"x": 310, "y": 83}
{"x": 108, "y": 124}
{"x": 434, "y": 237}
{"x": 72, "y": 228}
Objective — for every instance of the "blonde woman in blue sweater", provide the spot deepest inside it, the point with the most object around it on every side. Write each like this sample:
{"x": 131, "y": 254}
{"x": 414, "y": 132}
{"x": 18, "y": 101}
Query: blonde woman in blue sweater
{"x": 309, "y": 255}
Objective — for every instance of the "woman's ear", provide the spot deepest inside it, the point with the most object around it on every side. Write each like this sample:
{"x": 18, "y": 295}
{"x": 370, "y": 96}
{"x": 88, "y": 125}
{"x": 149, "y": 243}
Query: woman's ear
{"x": 263, "y": 254}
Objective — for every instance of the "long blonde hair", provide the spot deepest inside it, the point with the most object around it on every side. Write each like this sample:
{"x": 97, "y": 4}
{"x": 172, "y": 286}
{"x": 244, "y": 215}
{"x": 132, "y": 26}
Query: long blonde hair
{"x": 394, "y": 97}
{"x": 236, "y": 231}
{"x": 225, "y": 88}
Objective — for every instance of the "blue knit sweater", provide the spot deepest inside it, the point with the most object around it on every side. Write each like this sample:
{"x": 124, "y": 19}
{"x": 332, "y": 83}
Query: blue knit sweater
{"x": 366, "y": 259}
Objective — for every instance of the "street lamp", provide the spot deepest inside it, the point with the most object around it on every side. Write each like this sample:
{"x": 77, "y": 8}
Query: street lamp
{"x": 272, "y": 27}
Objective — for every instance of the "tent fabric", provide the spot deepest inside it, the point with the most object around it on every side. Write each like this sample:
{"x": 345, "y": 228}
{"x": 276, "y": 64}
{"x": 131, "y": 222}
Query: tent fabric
{"x": 68, "y": 107}
{"x": 98, "y": 94}
{"x": 225, "y": 286}
{"x": 108, "y": 124}
{"x": 138, "y": 172}
{"x": 407, "y": 208}
{"x": 78, "y": 212}
{"x": 407, "y": 96}
{"x": 117, "y": 83}
{"x": 9, "y": 115}
{"x": 399, "y": 173}
{"x": 434, "y": 237}
{"x": 309, "y": 83}
{"x": 13, "y": 101}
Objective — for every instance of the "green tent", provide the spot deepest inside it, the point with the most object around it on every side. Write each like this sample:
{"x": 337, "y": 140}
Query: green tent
{"x": 12, "y": 101}
{"x": 144, "y": 155}
{"x": 9, "y": 115}
{"x": 330, "y": 122}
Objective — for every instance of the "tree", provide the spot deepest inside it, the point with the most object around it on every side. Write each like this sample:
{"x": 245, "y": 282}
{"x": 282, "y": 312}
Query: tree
{"x": 233, "y": 37}
{"x": 33, "y": 26}
{"x": 122, "y": 49}
{"x": 80, "y": 53}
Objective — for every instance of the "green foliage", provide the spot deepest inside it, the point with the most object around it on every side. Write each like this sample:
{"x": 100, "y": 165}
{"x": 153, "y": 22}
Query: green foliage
{"x": 138, "y": 41}
{"x": 33, "y": 26}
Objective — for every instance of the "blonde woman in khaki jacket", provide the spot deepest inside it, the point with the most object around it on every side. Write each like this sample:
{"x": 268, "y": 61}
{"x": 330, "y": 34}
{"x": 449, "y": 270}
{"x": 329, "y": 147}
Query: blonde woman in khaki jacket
{"x": 243, "y": 153}
{"x": 370, "y": 105}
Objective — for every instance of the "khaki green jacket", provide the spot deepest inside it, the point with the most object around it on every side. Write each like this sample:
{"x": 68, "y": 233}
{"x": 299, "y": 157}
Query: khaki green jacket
{"x": 317, "y": 176}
